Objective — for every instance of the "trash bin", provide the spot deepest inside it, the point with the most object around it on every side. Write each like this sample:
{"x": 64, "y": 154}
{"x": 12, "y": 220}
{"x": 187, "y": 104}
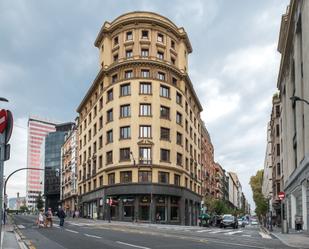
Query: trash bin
{"x": 285, "y": 226}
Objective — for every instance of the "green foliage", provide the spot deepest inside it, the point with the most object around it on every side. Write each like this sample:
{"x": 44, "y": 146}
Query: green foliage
{"x": 260, "y": 201}
{"x": 23, "y": 209}
{"x": 215, "y": 206}
{"x": 39, "y": 202}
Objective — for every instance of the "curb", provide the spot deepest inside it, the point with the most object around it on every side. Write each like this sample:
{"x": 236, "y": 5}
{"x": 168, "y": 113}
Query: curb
{"x": 23, "y": 242}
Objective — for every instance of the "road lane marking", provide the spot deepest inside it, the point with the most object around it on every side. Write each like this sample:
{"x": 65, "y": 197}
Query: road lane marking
{"x": 246, "y": 235}
{"x": 264, "y": 235}
{"x": 127, "y": 244}
{"x": 202, "y": 231}
{"x": 216, "y": 231}
{"x": 92, "y": 236}
{"x": 21, "y": 226}
{"x": 71, "y": 231}
{"x": 230, "y": 233}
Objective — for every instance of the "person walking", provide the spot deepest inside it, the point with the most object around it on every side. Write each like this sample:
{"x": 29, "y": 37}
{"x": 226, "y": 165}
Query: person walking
{"x": 49, "y": 218}
{"x": 41, "y": 219}
{"x": 61, "y": 215}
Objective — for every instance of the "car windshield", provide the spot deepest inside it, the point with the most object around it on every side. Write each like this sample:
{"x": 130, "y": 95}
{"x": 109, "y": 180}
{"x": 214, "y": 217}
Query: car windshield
{"x": 228, "y": 218}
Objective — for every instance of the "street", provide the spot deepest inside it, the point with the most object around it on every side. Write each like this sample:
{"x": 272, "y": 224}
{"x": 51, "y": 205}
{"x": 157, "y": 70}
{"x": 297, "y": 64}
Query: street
{"x": 82, "y": 233}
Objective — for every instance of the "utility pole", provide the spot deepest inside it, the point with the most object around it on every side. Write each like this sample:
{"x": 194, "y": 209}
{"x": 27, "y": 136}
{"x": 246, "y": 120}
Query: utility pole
{"x": 2, "y": 156}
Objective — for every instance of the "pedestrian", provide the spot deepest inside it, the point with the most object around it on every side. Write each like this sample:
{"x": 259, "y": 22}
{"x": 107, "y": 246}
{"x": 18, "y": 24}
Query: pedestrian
{"x": 40, "y": 221}
{"x": 61, "y": 215}
{"x": 49, "y": 218}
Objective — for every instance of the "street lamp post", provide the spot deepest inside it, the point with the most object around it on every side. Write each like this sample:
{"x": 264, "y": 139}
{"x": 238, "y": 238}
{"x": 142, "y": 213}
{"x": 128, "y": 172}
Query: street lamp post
{"x": 296, "y": 98}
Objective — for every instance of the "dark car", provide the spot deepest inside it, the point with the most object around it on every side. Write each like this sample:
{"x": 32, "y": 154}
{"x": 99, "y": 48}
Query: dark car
{"x": 229, "y": 221}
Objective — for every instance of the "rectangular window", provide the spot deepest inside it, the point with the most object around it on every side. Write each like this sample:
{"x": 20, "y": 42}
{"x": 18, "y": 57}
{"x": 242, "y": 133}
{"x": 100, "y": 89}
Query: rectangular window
{"x": 165, "y": 133}
{"x": 115, "y": 57}
{"x": 172, "y": 44}
{"x": 125, "y": 111}
{"x": 277, "y": 130}
{"x": 100, "y": 122}
{"x": 110, "y": 95}
{"x": 179, "y": 159}
{"x": 278, "y": 149}
{"x": 174, "y": 81}
{"x": 125, "y": 132}
{"x": 164, "y": 91}
{"x": 124, "y": 154}
{"x": 145, "y": 131}
{"x": 145, "y": 110}
{"x": 145, "y": 88}
{"x": 179, "y": 138}
{"x": 161, "y": 76}
{"x": 145, "y": 73}
{"x": 125, "y": 89}
{"x": 163, "y": 177}
{"x": 177, "y": 180}
{"x": 129, "y": 53}
{"x": 187, "y": 163}
{"x": 160, "y": 55}
{"x": 144, "y": 34}
{"x": 165, "y": 155}
{"x": 125, "y": 176}
{"x": 109, "y": 157}
{"x": 101, "y": 103}
{"x": 128, "y": 74}
{"x": 101, "y": 181}
{"x": 129, "y": 36}
{"x": 173, "y": 61}
{"x": 160, "y": 38}
{"x": 100, "y": 162}
{"x": 144, "y": 176}
{"x": 164, "y": 112}
{"x": 114, "y": 78}
{"x": 109, "y": 136}
{"x": 145, "y": 52}
{"x": 116, "y": 41}
{"x": 111, "y": 178}
{"x": 100, "y": 142}
{"x": 178, "y": 98}
{"x": 179, "y": 118}
{"x": 145, "y": 155}
{"x": 109, "y": 117}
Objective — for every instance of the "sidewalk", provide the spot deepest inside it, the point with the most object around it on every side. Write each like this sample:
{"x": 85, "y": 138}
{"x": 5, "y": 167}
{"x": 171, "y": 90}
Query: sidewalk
{"x": 10, "y": 238}
{"x": 292, "y": 239}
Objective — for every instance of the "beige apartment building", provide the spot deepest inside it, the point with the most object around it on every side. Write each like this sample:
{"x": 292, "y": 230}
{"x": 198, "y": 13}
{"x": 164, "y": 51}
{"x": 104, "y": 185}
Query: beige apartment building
{"x": 293, "y": 80}
{"x": 68, "y": 179}
{"x": 277, "y": 175}
{"x": 140, "y": 126}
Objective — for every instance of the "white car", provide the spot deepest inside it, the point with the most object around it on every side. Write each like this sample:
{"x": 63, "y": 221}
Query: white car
{"x": 254, "y": 222}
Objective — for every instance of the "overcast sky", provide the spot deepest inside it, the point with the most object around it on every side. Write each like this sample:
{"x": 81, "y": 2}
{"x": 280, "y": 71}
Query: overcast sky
{"x": 48, "y": 61}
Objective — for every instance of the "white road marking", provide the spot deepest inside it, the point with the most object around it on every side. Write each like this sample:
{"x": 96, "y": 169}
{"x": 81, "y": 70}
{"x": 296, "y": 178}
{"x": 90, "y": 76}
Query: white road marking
{"x": 71, "y": 231}
{"x": 93, "y": 236}
{"x": 246, "y": 235}
{"x": 230, "y": 233}
{"x": 21, "y": 226}
{"x": 264, "y": 235}
{"x": 216, "y": 231}
{"x": 202, "y": 231}
{"x": 127, "y": 244}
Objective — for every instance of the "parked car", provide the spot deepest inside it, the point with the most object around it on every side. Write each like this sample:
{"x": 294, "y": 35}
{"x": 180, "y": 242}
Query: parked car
{"x": 229, "y": 221}
{"x": 204, "y": 220}
{"x": 254, "y": 222}
{"x": 241, "y": 222}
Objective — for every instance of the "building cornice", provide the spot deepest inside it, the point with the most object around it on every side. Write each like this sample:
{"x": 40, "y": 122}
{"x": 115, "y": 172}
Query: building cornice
{"x": 143, "y": 17}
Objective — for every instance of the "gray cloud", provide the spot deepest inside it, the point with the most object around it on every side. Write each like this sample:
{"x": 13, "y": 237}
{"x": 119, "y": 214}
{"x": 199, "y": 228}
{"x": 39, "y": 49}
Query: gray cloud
{"x": 48, "y": 62}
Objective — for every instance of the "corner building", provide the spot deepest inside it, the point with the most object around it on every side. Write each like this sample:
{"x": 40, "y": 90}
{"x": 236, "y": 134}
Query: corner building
{"x": 140, "y": 126}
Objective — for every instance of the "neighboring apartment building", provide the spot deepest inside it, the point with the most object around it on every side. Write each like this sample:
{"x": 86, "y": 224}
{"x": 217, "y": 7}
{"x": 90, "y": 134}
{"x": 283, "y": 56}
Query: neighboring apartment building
{"x": 52, "y": 161}
{"x": 207, "y": 161}
{"x": 68, "y": 181}
{"x": 140, "y": 126}
{"x": 38, "y": 128}
{"x": 235, "y": 190}
{"x": 293, "y": 80}
{"x": 219, "y": 185}
{"x": 277, "y": 175}
{"x": 267, "y": 186}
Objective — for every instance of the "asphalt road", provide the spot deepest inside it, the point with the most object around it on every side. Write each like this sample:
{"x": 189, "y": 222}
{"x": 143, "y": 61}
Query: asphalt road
{"x": 78, "y": 234}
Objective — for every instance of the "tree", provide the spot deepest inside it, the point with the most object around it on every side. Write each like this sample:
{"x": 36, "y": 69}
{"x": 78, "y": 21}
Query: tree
{"x": 39, "y": 202}
{"x": 258, "y": 197}
{"x": 23, "y": 209}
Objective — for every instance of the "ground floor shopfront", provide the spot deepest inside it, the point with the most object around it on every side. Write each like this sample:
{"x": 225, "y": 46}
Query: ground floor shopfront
{"x": 69, "y": 204}
{"x": 154, "y": 203}
{"x": 297, "y": 196}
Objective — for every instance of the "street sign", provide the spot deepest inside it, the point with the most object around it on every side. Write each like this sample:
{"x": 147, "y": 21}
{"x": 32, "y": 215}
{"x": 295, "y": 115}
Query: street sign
{"x": 281, "y": 195}
{"x": 3, "y": 120}
{"x": 9, "y": 126}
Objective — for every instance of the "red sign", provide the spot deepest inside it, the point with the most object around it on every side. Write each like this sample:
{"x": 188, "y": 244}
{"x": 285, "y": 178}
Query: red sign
{"x": 9, "y": 126}
{"x": 3, "y": 120}
{"x": 281, "y": 195}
